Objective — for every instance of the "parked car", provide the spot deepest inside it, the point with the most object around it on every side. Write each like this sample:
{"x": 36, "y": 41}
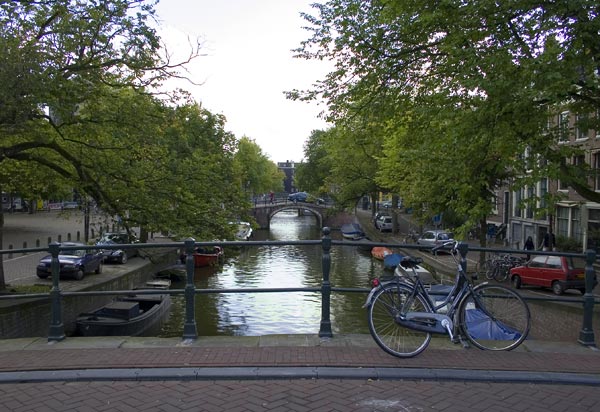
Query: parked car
{"x": 386, "y": 204}
{"x": 377, "y": 215}
{"x": 432, "y": 238}
{"x": 557, "y": 272}
{"x": 116, "y": 238}
{"x": 384, "y": 223}
{"x": 73, "y": 263}
{"x": 305, "y": 197}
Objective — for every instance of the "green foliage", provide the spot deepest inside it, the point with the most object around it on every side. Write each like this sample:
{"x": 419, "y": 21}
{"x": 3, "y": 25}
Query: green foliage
{"x": 310, "y": 175}
{"x": 568, "y": 244}
{"x": 457, "y": 91}
{"x": 255, "y": 172}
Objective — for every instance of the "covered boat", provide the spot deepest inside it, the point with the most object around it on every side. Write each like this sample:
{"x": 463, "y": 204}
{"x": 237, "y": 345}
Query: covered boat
{"x": 130, "y": 316}
{"x": 391, "y": 261}
{"x": 380, "y": 252}
{"x": 352, "y": 231}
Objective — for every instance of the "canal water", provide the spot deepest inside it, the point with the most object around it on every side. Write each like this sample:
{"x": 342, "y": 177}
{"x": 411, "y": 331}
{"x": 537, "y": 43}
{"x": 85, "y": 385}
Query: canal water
{"x": 255, "y": 314}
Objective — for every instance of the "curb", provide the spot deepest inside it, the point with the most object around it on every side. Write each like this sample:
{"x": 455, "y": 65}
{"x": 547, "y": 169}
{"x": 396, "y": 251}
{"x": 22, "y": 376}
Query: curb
{"x": 289, "y": 373}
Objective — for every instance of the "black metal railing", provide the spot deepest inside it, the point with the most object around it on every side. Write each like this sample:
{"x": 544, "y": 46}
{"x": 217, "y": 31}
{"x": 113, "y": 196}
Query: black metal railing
{"x": 56, "y": 295}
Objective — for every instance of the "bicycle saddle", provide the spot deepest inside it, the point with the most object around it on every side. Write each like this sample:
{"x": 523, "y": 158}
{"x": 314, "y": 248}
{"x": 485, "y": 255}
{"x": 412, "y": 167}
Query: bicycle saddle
{"x": 410, "y": 261}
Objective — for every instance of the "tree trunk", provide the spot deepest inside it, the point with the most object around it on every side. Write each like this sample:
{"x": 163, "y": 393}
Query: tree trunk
{"x": 2, "y": 280}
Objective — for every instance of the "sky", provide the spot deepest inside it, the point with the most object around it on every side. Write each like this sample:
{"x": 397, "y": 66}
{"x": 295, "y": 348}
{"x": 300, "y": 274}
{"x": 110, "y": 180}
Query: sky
{"x": 247, "y": 67}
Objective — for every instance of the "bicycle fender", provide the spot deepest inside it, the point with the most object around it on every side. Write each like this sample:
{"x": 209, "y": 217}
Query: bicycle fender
{"x": 376, "y": 289}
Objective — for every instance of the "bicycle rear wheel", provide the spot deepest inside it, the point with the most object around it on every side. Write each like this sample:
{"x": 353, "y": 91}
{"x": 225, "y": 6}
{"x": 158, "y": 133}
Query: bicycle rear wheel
{"x": 489, "y": 267}
{"x": 494, "y": 317}
{"x": 501, "y": 273}
{"x": 393, "y": 338}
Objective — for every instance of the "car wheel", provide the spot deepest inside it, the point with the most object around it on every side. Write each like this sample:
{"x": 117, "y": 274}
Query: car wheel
{"x": 79, "y": 275}
{"x": 124, "y": 258}
{"x": 42, "y": 276}
{"x": 516, "y": 281}
{"x": 582, "y": 290}
{"x": 557, "y": 288}
{"x": 99, "y": 268}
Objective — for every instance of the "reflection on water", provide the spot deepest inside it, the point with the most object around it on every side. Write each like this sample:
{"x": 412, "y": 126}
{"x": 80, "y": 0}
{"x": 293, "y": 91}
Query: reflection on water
{"x": 255, "y": 314}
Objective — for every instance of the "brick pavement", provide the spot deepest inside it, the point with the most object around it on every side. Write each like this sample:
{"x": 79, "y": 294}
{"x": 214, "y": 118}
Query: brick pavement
{"x": 296, "y": 395}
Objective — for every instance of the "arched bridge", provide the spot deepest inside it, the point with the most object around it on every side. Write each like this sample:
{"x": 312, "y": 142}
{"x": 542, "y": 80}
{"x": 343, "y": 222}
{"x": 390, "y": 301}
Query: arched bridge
{"x": 264, "y": 212}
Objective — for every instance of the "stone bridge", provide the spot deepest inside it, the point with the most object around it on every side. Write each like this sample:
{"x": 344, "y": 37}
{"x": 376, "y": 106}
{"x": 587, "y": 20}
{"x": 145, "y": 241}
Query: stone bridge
{"x": 325, "y": 215}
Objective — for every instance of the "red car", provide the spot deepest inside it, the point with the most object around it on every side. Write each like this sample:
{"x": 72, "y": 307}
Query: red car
{"x": 556, "y": 272}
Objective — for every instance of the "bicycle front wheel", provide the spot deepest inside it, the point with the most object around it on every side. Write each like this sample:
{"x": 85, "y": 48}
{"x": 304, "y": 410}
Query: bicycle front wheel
{"x": 494, "y": 317}
{"x": 387, "y": 303}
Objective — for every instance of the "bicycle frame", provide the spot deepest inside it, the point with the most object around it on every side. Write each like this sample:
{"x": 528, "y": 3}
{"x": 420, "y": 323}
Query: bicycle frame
{"x": 435, "y": 321}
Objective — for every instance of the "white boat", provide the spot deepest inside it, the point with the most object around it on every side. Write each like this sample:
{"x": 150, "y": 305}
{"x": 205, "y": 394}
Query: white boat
{"x": 423, "y": 273}
{"x": 243, "y": 231}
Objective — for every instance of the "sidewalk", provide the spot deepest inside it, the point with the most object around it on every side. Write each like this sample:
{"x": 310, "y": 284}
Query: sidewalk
{"x": 287, "y": 356}
{"x": 291, "y": 373}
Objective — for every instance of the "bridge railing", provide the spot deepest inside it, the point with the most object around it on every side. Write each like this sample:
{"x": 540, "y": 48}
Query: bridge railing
{"x": 189, "y": 327}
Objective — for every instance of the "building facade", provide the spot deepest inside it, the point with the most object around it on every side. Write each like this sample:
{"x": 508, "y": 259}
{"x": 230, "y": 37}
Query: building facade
{"x": 573, "y": 217}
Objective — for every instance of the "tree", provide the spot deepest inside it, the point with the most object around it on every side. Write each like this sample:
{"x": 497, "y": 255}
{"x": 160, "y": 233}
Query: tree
{"x": 59, "y": 58}
{"x": 255, "y": 172}
{"x": 310, "y": 175}
{"x": 468, "y": 85}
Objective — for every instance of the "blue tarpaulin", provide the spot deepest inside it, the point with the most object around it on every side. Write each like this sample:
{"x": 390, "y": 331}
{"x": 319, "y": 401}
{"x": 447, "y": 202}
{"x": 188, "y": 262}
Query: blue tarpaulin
{"x": 392, "y": 260}
{"x": 481, "y": 326}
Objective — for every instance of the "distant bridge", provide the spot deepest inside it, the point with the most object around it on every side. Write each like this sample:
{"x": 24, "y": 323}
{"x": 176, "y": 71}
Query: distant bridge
{"x": 263, "y": 212}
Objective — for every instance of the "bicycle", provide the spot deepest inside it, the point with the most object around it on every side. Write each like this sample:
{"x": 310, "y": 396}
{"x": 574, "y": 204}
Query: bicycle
{"x": 498, "y": 267}
{"x": 403, "y": 314}
{"x": 411, "y": 237}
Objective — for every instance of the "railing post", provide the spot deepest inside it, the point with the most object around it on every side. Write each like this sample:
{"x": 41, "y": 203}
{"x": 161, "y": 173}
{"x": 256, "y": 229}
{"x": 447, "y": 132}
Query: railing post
{"x": 586, "y": 335}
{"x": 325, "y": 329}
{"x": 463, "y": 249}
{"x": 189, "y": 328}
{"x": 57, "y": 329}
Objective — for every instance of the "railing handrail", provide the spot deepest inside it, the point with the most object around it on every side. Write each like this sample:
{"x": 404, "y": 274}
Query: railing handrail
{"x": 56, "y": 331}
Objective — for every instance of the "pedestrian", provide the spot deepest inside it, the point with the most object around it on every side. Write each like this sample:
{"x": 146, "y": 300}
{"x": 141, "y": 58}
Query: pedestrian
{"x": 271, "y": 197}
{"x": 529, "y": 245}
{"x": 549, "y": 242}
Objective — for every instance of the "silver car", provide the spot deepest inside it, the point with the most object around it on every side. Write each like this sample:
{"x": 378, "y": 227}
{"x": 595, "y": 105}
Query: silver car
{"x": 432, "y": 238}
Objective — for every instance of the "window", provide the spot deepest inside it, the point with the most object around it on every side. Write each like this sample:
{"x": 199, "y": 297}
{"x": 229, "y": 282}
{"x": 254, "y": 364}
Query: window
{"x": 596, "y": 170}
{"x": 529, "y": 209}
{"x": 576, "y": 224}
{"x": 562, "y": 220}
{"x": 563, "y": 127}
{"x": 543, "y": 194}
{"x": 553, "y": 262}
{"x": 517, "y": 206}
{"x": 579, "y": 160}
{"x": 582, "y": 131}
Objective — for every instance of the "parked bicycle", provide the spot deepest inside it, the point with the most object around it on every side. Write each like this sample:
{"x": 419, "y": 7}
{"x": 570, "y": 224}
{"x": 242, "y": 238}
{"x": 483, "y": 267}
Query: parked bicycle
{"x": 403, "y": 314}
{"x": 411, "y": 237}
{"x": 497, "y": 267}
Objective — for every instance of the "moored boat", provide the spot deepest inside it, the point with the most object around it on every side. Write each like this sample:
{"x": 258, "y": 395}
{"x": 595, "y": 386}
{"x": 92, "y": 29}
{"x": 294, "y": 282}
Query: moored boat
{"x": 352, "y": 231}
{"x": 391, "y": 261}
{"x": 204, "y": 256}
{"x": 243, "y": 231}
{"x": 380, "y": 252}
{"x": 159, "y": 283}
{"x": 130, "y": 316}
